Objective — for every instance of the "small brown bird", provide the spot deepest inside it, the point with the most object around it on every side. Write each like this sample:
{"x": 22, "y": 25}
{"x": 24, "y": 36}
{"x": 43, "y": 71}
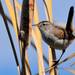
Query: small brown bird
{"x": 57, "y": 37}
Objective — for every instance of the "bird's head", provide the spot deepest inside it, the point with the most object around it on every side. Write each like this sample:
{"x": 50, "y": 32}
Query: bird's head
{"x": 44, "y": 25}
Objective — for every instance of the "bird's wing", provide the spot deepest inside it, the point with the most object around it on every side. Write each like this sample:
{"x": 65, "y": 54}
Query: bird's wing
{"x": 57, "y": 32}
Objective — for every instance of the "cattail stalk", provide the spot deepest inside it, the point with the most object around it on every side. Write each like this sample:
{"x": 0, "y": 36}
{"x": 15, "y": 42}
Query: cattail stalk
{"x": 26, "y": 27}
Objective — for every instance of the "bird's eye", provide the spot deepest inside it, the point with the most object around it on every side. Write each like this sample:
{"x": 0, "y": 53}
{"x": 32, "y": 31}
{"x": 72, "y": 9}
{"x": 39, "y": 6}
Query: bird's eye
{"x": 44, "y": 24}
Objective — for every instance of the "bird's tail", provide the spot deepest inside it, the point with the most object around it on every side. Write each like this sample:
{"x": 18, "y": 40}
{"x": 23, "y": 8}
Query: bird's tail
{"x": 70, "y": 19}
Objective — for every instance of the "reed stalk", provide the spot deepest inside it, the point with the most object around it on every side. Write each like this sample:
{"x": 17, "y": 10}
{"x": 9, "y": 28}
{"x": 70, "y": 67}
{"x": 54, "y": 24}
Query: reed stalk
{"x": 38, "y": 42}
{"x": 51, "y": 51}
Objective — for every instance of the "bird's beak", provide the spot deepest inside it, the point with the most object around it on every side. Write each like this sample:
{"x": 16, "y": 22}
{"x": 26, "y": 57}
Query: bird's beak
{"x": 36, "y": 25}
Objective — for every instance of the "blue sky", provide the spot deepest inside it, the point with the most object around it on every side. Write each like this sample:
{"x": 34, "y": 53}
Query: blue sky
{"x": 7, "y": 62}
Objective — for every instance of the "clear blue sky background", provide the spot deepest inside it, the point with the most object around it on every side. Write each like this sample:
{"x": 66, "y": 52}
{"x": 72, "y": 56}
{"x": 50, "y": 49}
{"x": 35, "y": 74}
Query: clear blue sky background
{"x": 7, "y": 62}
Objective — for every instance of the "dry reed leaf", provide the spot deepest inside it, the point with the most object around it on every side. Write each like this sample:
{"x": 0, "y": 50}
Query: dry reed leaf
{"x": 70, "y": 70}
{"x": 18, "y": 10}
{"x": 39, "y": 54}
{"x": 68, "y": 58}
{"x": 73, "y": 64}
{"x": 18, "y": 5}
{"x": 61, "y": 62}
{"x": 38, "y": 42}
{"x": 44, "y": 57}
{"x": 12, "y": 15}
{"x": 49, "y": 11}
{"x": 51, "y": 55}
{"x": 28, "y": 71}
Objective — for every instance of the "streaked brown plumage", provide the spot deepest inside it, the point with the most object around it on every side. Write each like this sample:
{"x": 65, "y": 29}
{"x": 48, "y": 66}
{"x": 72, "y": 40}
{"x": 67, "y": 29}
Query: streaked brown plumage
{"x": 57, "y": 37}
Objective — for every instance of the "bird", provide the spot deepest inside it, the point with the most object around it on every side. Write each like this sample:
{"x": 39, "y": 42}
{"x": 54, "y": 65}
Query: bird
{"x": 58, "y": 37}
